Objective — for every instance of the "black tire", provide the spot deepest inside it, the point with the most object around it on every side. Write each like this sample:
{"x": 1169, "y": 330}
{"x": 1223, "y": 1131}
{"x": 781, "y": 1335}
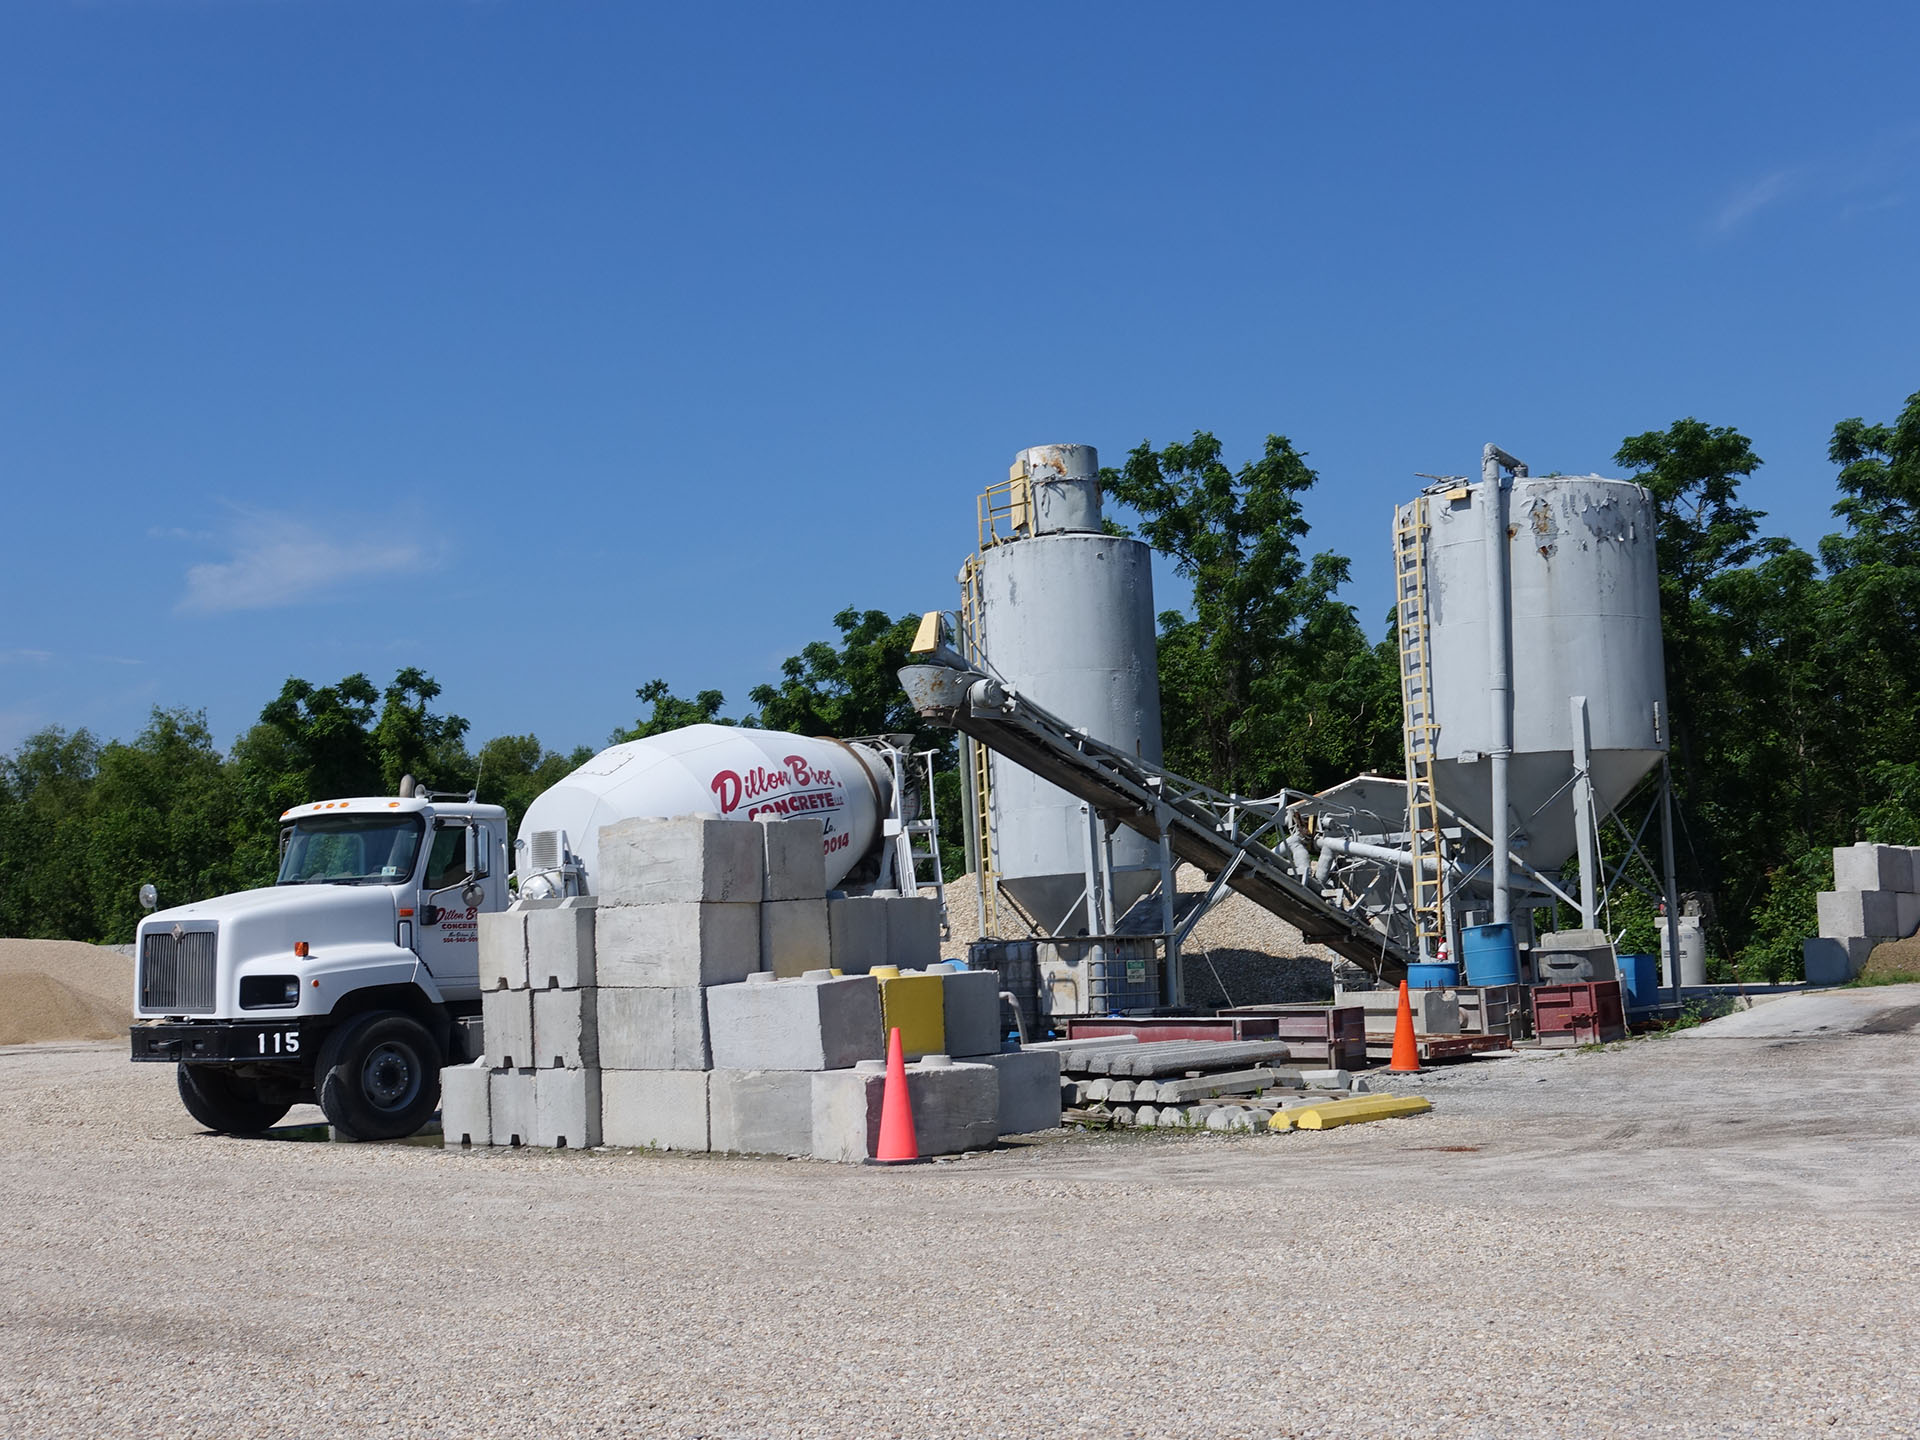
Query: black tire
{"x": 223, "y": 1101}
{"x": 378, "y": 1076}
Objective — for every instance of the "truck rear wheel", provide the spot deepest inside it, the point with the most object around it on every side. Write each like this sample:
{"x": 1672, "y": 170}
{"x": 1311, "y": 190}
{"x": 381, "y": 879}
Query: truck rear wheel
{"x": 223, "y": 1101}
{"x": 378, "y": 1076}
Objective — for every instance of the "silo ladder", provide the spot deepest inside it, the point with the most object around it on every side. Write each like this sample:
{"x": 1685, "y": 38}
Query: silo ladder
{"x": 1410, "y": 533}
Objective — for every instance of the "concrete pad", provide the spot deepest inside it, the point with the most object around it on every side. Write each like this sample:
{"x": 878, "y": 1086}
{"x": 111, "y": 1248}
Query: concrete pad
{"x": 1809, "y": 1015}
{"x": 795, "y": 864}
{"x": 566, "y": 1028}
{"x": 677, "y": 944}
{"x": 817, "y": 1022}
{"x": 971, "y": 1011}
{"x": 510, "y": 1103}
{"x": 652, "y": 1028}
{"x": 654, "y": 1109}
{"x": 1029, "y": 1090}
{"x": 915, "y": 1005}
{"x": 857, "y": 933}
{"x": 761, "y": 1112}
{"x": 464, "y": 1110}
{"x": 1875, "y": 913}
{"x": 1866, "y": 866}
{"x": 566, "y": 1109}
{"x": 1828, "y": 961}
{"x": 649, "y": 861}
{"x": 503, "y": 950}
{"x": 913, "y": 931}
{"x": 794, "y": 937}
{"x": 506, "y": 1018}
{"x": 560, "y": 946}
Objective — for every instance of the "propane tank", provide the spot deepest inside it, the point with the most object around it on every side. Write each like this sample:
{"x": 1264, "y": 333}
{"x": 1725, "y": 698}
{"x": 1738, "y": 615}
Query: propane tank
{"x": 735, "y": 773}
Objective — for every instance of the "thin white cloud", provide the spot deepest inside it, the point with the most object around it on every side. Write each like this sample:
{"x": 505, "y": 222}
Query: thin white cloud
{"x": 1750, "y": 199}
{"x": 24, "y": 657}
{"x": 281, "y": 560}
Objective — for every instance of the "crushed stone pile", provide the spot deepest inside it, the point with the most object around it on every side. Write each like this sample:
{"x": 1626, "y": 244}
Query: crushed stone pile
{"x": 63, "y": 990}
{"x": 1893, "y": 957}
{"x": 1239, "y": 954}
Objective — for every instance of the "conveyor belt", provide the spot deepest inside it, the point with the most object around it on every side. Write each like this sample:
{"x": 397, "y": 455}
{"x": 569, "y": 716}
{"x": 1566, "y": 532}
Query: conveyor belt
{"x": 1204, "y": 828}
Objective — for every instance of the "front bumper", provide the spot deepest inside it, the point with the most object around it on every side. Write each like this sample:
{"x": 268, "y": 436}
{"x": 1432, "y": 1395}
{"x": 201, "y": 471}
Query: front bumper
{"x": 222, "y": 1042}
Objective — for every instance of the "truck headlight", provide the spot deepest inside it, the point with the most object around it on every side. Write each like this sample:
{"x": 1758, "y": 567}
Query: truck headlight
{"x": 269, "y": 992}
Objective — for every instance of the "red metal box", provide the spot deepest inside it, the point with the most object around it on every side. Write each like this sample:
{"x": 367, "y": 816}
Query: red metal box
{"x": 1583, "y": 1014}
{"x": 1177, "y": 1027}
{"x": 1333, "y": 1034}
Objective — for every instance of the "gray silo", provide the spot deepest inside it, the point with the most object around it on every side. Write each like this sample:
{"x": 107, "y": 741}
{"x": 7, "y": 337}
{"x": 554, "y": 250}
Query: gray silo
{"x": 1582, "y": 618}
{"x": 1064, "y": 614}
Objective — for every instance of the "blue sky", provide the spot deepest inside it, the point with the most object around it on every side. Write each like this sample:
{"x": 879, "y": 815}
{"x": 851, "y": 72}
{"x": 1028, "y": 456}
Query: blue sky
{"x": 555, "y": 347}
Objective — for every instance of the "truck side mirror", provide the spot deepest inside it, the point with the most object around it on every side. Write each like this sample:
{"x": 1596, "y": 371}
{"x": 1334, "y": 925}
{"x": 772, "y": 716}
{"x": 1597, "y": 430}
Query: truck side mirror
{"x": 477, "y": 848}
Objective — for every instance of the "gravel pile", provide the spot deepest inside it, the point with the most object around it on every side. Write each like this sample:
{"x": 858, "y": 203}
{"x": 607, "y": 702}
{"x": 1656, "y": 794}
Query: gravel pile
{"x": 63, "y": 990}
{"x": 1664, "y": 1238}
{"x": 1239, "y": 954}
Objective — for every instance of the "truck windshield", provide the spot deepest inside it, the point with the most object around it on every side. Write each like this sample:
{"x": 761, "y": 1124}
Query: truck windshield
{"x": 350, "y": 849}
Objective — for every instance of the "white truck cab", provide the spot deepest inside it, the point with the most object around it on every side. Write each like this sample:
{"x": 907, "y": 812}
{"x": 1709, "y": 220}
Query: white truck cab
{"x": 348, "y": 982}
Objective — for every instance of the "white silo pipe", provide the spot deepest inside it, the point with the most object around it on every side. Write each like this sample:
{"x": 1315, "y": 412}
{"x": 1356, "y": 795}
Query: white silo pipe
{"x": 1499, "y": 669}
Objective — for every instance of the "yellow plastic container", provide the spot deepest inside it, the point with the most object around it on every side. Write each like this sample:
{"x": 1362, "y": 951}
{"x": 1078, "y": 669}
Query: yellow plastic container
{"x": 914, "y": 1003}
{"x": 1357, "y": 1111}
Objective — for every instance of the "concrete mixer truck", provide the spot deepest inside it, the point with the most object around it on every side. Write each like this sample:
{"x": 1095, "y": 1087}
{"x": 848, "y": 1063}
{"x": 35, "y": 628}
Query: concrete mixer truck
{"x": 354, "y": 977}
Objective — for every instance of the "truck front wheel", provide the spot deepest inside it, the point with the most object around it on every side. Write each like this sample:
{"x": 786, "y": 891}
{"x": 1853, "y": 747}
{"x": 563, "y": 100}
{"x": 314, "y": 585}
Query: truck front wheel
{"x": 222, "y": 1100}
{"x": 378, "y": 1076}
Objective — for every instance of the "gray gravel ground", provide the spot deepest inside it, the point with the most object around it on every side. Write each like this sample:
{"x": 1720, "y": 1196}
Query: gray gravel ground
{"x": 1665, "y": 1238}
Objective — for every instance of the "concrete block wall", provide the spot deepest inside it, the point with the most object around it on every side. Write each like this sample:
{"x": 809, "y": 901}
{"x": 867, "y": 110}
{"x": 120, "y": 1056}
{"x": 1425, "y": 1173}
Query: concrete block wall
{"x": 690, "y": 1007}
{"x": 1875, "y": 897}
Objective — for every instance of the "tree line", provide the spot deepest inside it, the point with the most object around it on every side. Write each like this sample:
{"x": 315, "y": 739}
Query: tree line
{"x": 1793, "y": 684}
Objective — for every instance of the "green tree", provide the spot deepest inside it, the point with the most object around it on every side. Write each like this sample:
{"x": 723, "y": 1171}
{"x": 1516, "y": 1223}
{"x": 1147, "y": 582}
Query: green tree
{"x": 512, "y": 771}
{"x": 1270, "y": 682}
{"x": 45, "y": 790}
{"x": 670, "y": 712}
{"x": 410, "y": 739}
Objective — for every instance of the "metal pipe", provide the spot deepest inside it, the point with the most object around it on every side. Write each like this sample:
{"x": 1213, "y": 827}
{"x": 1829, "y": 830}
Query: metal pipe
{"x": 1583, "y": 808}
{"x": 970, "y": 819}
{"x": 1172, "y": 983}
{"x": 1098, "y": 954}
{"x": 1669, "y": 891}
{"x": 1339, "y": 845}
{"x": 1499, "y": 668}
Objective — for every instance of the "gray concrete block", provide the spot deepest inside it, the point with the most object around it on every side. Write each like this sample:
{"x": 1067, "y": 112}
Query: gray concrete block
{"x": 566, "y": 1028}
{"x": 506, "y": 1018}
{"x": 653, "y": 1028}
{"x": 761, "y": 1112}
{"x": 560, "y": 947}
{"x": 1876, "y": 913}
{"x": 846, "y": 1111}
{"x": 816, "y": 1022}
{"x": 913, "y": 931}
{"x": 1029, "y": 1089}
{"x": 464, "y": 1110}
{"x": 971, "y": 1007}
{"x": 647, "y": 861}
{"x": 510, "y": 1105}
{"x": 857, "y": 933}
{"x": 955, "y": 1108}
{"x": 675, "y": 944}
{"x": 503, "y": 950}
{"x": 566, "y": 1109}
{"x": 1831, "y": 961}
{"x": 654, "y": 1109}
{"x": 795, "y": 864}
{"x": 1435, "y": 1012}
{"x": 1326, "y": 1079}
{"x": 794, "y": 937}
{"x": 1873, "y": 867}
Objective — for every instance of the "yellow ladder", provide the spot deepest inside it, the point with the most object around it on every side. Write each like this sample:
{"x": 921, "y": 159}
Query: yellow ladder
{"x": 1410, "y": 533}
{"x": 973, "y": 646}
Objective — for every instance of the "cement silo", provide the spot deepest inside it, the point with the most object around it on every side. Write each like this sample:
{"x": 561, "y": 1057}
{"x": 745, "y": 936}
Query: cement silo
{"x": 1063, "y": 612}
{"x": 1540, "y": 591}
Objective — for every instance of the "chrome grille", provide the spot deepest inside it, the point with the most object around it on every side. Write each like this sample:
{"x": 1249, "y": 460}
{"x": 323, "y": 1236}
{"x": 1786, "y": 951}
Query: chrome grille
{"x": 176, "y": 971}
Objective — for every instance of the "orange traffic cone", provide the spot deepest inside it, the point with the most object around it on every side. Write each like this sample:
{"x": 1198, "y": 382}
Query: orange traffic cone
{"x": 1406, "y": 1053}
{"x": 898, "y": 1144}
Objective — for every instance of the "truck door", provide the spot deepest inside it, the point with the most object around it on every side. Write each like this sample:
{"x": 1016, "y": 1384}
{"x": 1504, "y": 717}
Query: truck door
{"x": 450, "y": 932}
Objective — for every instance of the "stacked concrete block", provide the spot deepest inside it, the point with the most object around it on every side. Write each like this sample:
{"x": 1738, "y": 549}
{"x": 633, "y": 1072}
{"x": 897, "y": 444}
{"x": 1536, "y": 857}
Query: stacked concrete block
{"x": 654, "y": 1027}
{"x": 465, "y": 1115}
{"x": 817, "y": 1022}
{"x": 503, "y": 951}
{"x": 654, "y": 1109}
{"x": 1029, "y": 1090}
{"x": 913, "y": 931}
{"x": 761, "y": 1112}
{"x": 566, "y": 1029}
{"x": 559, "y": 945}
{"x": 970, "y": 1010}
{"x": 857, "y": 933}
{"x": 507, "y": 1023}
{"x": 915, "y": 1004}
{"x": 794, "y": 860}
{"x": 795, "y": 937}
{"x": 955, "y": 1108}
{"x": 1874, "y": 899}
{"x": 566, "y": 1108}
{"x": 510, "y": 1105}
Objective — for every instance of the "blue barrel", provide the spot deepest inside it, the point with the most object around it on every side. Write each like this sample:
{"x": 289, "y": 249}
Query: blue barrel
{"x": 1490, "y": 955}
{"x": 1640, "y": 981}
{"x": 1432, "y": 976}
